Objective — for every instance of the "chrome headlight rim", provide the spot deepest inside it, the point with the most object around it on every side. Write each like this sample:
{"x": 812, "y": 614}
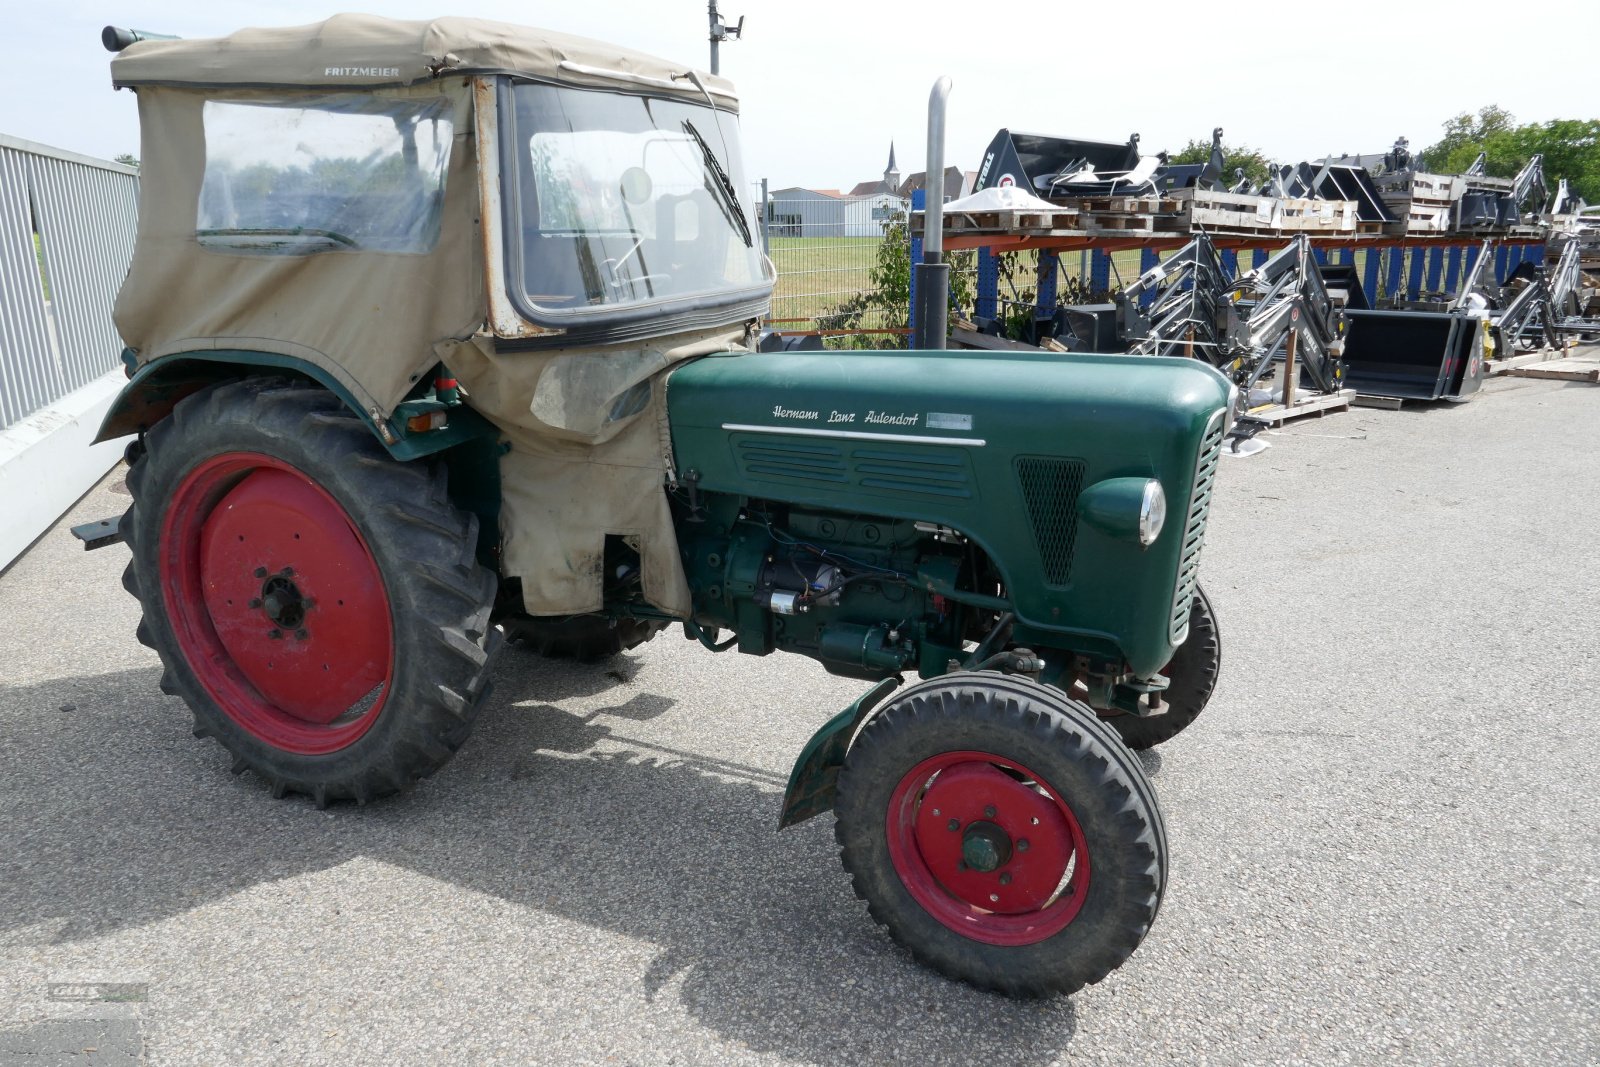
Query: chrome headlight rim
{"x": 1152, "y": 512}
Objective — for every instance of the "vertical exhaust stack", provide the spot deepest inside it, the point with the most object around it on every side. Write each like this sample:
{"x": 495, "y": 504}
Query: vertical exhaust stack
{"x": 115, "y": 38}
{"x": 933, "y": 273}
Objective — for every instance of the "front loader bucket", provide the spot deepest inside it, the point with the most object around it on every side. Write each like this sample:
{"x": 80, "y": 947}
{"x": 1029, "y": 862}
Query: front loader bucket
{"x": 1418, "y": 355}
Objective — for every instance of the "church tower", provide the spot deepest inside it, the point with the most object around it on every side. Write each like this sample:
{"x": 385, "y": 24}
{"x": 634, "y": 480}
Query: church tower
{"x": 891, "y": 174}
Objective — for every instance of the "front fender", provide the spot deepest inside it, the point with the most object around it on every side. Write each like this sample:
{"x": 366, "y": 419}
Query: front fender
{"x": 154, "y": 389}
{"x": 815, "y": 777}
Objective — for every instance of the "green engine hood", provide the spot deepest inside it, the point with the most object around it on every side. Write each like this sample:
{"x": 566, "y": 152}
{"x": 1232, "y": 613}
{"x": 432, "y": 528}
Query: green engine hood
{"x": 997, "y": 446}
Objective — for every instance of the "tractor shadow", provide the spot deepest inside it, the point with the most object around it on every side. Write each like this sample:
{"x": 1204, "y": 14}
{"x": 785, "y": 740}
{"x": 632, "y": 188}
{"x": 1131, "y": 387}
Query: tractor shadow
{"x": 118, "y": 818}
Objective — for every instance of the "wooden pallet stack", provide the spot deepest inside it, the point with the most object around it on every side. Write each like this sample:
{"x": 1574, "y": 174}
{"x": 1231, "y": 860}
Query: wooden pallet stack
{"x": 1423, "y": 203}
{"x": 1128, "y": 215}
{"x": 1239, "y": 214}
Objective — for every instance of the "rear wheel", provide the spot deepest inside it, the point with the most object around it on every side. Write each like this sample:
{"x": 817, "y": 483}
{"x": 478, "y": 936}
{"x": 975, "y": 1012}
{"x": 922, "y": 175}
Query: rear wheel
{"x": 317, "y": 604}
{"x": 1001, "y": 832}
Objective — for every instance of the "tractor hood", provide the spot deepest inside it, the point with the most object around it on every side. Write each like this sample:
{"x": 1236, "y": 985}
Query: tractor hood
{"x": 1008, "y": 449}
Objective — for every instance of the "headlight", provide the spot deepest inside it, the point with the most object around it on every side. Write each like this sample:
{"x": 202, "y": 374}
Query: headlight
{"x": 1152, "y": 513}
{"x": 1125, "y": 507}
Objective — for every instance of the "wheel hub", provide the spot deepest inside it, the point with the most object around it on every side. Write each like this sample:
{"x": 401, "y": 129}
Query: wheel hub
{"x": 283, "y": 602}
{"x": 255, "y": 551}
{"x": 985, "y": 847}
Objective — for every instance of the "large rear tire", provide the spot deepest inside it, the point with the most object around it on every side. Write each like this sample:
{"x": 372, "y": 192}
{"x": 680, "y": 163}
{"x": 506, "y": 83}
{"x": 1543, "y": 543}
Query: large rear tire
{"x": 1002, "y": 833}
{"x": 317, "y": 604}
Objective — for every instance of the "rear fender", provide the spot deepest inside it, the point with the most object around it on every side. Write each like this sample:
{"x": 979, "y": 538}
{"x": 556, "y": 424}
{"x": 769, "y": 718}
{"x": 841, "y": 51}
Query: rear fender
{"x": 154, "y": 389}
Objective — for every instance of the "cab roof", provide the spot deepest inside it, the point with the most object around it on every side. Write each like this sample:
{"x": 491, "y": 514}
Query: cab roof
{"x": 368, "y": 51}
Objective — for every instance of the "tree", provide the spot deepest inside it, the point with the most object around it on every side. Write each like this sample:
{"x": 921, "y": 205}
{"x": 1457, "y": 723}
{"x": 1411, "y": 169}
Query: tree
{"x": 127, "y": 160}
{"x": 887, "y": 303}
{"x": 1464, "y": 137}
{"x": 1234, "y": 157}
{"x": 1571, "y": 148}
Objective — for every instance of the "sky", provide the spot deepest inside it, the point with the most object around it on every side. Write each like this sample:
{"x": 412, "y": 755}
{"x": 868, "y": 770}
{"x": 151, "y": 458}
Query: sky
{"x": 825, "y": 86}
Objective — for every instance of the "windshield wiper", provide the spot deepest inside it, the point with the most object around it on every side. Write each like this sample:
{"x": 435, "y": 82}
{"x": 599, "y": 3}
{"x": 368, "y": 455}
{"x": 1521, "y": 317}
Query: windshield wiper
{"x": 724, "y": 184}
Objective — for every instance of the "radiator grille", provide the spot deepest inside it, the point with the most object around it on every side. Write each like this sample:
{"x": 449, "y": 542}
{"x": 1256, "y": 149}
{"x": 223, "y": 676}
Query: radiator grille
{"x": 1194, "y": 528}
{"x": 1050, "y": 490}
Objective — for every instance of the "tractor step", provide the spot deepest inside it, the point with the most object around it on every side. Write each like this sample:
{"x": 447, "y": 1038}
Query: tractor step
{"x": 98, "y": 534}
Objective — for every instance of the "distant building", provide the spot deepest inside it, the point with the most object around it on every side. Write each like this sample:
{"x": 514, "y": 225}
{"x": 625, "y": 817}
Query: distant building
{"x": 956, "y": 184}
{"x": 862, "y": 212}
{"x": 797, "y": 212}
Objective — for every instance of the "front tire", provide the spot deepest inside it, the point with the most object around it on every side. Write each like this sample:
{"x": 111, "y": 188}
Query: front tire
{"x": 1193, "y": 675}
{"x": 1000, "y": 831}
{"x": 317, "y": 604}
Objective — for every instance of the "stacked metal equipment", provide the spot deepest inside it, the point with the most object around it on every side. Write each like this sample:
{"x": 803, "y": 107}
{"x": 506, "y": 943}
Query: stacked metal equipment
{"x": 1424, "y": 355}
{"x": 1177, "y": 307}
{"x": 1188, "y": 306}
{"x": 1496, "y": 203}
{"x": 1287, "y": 297}
{"x": 1067, "y": 169}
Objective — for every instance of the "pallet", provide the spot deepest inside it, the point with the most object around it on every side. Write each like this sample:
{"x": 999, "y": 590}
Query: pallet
{"x": 1124, "y": 205}
{"x": 1265, "y": 216}
{"x": 1567, "y": 370}
{"x": 1014, "y": 221}
{"x": 1120, "y": 224}
{"x": 1496, "y": 367}
{"x": 1319, "y": 404}
{"x": 1386, "y": 403}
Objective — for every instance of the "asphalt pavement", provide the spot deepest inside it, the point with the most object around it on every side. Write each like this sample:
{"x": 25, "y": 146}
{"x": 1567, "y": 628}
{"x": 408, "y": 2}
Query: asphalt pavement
{"x": 1384, "y": 829}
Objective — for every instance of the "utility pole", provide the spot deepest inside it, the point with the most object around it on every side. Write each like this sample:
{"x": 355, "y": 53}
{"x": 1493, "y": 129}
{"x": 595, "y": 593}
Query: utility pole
{"x": 721, "y": 31}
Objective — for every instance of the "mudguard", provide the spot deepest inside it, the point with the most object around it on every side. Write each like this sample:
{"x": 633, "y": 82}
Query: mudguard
{"x": 816, "y": 772}
{"x": 154, "y": 389}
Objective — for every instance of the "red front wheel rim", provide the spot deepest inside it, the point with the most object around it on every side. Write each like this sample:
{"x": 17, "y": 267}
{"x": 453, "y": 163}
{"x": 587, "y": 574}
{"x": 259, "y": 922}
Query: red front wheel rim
{"x": 276, "y": 603}
{"x": 988, "y": 848}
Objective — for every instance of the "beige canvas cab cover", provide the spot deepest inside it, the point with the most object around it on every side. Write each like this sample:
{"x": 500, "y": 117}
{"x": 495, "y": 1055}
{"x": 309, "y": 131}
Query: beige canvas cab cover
{"x": 370, "y": 52}
{"x": 376, "y": 321}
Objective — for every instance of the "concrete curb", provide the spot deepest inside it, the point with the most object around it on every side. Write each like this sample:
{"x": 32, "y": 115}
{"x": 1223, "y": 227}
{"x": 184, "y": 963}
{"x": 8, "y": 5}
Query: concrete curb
{"x": 47, "y": 463}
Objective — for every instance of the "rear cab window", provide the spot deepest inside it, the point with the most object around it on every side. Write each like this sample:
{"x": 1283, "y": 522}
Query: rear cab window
{"x": 341, "y": 172}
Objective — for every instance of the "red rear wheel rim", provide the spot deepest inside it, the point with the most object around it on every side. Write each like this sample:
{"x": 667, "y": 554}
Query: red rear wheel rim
{"x": 988, "y": 848}
{"x": 276, "y": 603}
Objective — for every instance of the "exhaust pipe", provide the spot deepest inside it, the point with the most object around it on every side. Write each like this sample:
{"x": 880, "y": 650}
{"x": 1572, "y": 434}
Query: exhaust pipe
{"x": 115, "y": 38}
{"x": 933, "y": 273}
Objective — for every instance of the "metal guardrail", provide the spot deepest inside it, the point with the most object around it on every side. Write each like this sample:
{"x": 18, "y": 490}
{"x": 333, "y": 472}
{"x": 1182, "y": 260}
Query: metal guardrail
{"x": 67, "y": 226}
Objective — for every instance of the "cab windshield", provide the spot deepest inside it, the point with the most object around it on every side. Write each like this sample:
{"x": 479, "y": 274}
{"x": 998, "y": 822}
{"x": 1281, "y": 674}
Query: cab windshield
{"x": 627, "y": 201}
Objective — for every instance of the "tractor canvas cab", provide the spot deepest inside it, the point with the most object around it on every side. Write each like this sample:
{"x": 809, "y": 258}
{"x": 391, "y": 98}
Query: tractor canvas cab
{"x": 443, "y": 333}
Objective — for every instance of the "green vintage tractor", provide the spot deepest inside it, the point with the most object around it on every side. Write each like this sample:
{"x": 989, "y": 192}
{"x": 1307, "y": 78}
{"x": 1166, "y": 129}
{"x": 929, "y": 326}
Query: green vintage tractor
{"x": 445, "y": 331}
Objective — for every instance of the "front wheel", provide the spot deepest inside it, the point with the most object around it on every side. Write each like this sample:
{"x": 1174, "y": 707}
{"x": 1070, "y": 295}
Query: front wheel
{"x": 317, "y": 604}
{"x": 1193, "y": 675}
{"x": 1000, "y": 831}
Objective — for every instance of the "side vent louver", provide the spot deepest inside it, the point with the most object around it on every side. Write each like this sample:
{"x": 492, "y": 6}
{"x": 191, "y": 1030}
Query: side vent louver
{"x": 1050, "y": 490}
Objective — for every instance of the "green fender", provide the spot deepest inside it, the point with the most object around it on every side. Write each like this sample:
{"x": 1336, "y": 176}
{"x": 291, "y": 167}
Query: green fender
{"x": 154, "y": 389}
{"x": 815, "y": 777}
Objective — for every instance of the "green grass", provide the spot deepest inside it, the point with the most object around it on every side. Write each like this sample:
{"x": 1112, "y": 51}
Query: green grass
{"x": 816, "y": 274}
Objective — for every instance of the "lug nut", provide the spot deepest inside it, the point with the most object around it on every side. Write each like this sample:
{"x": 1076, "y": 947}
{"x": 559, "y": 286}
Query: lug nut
{"x": 301, "y": 635}
{"x": 955, "y": 824}
{"x": 989, "y": 813}
{"x": 275, "y": 635}
{"x": 1005, "y": 879}
{"x": 1022, "y": 844}
{"x": 255, "y": 602}
{"x": 261, "y": 572}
